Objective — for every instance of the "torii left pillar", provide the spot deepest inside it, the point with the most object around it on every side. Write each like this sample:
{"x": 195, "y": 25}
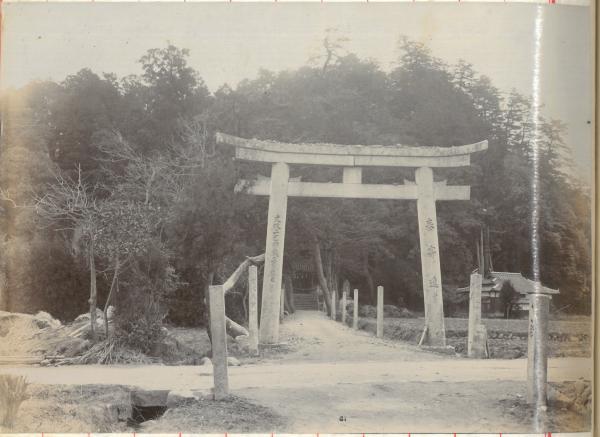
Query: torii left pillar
{"x": 271, "y": 292}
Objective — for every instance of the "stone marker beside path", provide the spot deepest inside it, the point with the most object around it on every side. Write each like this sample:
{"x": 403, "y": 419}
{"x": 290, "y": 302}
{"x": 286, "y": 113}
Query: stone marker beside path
{"x": 355, "y": 315}
{"x": 380, "y": 312}
{"x": 344, "y": 307}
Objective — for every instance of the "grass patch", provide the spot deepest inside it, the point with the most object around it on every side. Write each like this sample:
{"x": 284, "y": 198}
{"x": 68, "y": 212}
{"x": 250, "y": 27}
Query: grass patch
{"x": 106, "y": 408}
{"x": 507, "y": 338}
{"x": 234, "y": 414}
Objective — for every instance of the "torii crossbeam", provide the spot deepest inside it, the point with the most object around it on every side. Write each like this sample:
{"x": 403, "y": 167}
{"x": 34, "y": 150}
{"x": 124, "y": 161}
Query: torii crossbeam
{"x": 352, "y": 158}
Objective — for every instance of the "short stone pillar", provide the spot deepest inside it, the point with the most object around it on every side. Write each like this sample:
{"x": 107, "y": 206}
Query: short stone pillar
{"x": 253, "y": 309}
{"x": 537, "y": 349}
{"x": 344, "y": 295}
{"x": 380, "y": 312}
{"x": 477, "y": 337}
{"x": 219, "y": 341}
{"x": 355, "y": 314}
{"x": 321, "y": 304}
{"x": 333, "y": 306}
{"x": 282, "y": 304}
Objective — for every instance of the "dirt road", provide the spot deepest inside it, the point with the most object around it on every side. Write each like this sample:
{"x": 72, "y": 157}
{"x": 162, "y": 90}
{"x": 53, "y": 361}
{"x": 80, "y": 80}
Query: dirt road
{"x": 337, "y": 380}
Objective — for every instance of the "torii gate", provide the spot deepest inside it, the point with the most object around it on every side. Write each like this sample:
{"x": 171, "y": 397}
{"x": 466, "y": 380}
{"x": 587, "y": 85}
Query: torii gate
{"x": 352, "y": 158}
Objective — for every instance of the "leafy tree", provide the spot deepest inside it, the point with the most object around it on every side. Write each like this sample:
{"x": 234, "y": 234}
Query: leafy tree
{"x": 146, "y": 144}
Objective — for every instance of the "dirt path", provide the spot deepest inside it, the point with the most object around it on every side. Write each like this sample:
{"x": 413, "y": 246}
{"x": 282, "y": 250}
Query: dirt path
{"x": 313, "y": 337}
{"x": 372, "y": 385}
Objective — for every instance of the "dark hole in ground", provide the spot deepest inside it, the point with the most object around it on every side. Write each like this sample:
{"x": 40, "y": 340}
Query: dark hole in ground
{"x": 141, "y": 414}
{"x": 147, "y": 405}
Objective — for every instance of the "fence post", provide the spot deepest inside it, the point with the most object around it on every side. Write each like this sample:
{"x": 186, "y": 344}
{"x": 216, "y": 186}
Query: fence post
{"x": 477, "y": 336}
{"x": 219, "y": 341}
{"x": 333, "y": 306}
{"x": 355, "y": 315}
{"x": 253, "y": 308}
{"x": 537, "y": 349}
{"x": 344, "y": 294}
{"x": 282, "y": 304}
{"x": 380, "y": 311}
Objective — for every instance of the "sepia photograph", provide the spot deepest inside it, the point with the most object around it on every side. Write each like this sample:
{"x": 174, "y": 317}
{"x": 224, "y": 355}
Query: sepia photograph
{"x": 300, "y": 218}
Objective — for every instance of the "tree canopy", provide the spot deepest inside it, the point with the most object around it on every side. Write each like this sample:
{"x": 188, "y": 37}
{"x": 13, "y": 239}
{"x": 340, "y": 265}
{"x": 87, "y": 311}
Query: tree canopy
{"x": 146, "y": 145}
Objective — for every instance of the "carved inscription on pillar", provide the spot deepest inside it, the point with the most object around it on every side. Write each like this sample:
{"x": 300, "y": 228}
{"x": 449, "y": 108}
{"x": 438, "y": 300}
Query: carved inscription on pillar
{"x": 430, "y": 259}
{"x": 271, "y": 295}
{"x": 276, "y": 232}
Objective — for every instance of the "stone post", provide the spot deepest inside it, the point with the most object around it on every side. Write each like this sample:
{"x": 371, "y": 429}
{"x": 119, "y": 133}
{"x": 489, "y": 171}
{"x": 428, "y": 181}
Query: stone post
{"x": 380, "y": 312}
{"x": 537, "y": 349}
{"x": 477, "y": 337}
{"x": 3, "y": 292}
{"x": 271, "y": 294}
{"x": 282, "y": 304}
{"x": 253, "y": 308}
{"x": 219, "y": 341}
{"x": 344, "y": 294}
{"x": 355, "y": 315}
{"x": 320, "y": 304}
{"x": 430, "y": 259}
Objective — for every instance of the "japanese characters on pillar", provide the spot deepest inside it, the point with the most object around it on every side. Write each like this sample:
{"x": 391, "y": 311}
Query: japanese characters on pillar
{"x": 271, "y": 295}
{"x": 435, "y": 333}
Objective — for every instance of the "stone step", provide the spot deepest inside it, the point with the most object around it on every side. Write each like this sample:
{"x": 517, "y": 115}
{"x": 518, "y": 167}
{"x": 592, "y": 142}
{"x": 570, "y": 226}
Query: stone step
{"x": 304, "y": 301}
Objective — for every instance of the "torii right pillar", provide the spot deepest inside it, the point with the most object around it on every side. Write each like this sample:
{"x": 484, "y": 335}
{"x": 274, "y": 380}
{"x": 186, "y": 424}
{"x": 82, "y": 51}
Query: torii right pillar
{"x": 435, "y": 331}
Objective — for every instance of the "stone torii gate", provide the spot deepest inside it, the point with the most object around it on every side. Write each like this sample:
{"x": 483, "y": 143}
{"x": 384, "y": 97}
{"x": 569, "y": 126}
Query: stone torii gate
{"x": 352, "y": 158}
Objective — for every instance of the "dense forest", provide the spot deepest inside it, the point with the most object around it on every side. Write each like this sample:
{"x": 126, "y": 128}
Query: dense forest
{"x": 115, "y": 185}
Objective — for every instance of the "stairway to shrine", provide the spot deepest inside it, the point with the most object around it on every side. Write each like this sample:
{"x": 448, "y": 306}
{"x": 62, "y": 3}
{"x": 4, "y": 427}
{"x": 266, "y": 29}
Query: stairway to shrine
{"x": 306, "y": 301}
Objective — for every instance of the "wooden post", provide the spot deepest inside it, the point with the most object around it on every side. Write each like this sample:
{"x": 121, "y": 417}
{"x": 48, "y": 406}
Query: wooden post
{"x": 477, "y": 338}
{"x": 333, "y": 306}
{"x": 355, "y": 314}
{"x": 344, "y": 294}
{"x": 537, "y": 349}
{"x": 380, "y": 312}
{"x": 430, "y": 259}
{"x": 219, "y": 341}
{"x": 253, "y": 308}
{"x": 271, "y": 294}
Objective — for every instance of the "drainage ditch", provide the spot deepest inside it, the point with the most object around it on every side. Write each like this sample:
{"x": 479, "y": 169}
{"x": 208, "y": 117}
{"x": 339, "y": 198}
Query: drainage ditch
{"x": 147, "y": 405}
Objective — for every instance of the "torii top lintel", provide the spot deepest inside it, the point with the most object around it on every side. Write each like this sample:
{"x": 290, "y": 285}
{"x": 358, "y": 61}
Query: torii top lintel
{"x": 350, "y": 155}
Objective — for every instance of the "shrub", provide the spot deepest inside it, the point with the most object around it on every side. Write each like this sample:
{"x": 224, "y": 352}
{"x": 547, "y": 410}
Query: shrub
{"x": 13, "y": 391}
{"x": 141, "y": 306}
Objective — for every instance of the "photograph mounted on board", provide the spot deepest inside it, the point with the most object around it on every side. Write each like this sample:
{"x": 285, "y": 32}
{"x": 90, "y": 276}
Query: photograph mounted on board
{"x": 299, "y": 218}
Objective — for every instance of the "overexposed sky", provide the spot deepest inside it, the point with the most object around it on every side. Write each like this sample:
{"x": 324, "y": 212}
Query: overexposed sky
{"x": 232, "y": 41}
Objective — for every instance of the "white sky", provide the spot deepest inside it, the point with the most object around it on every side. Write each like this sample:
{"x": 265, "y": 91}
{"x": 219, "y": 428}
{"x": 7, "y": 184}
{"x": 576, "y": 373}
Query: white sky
{"x": 231, "y": 41}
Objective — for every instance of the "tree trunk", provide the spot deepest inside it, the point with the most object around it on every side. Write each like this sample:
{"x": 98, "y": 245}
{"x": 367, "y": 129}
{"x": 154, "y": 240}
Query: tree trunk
{"x": 233, "y": 329}
{"x": 93, "y": 294}
{"x": 289, "y": 294}
{"x": 112, "y": 287}
{"x": 369, "y": 278}
{"x": 320, "y": 275}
